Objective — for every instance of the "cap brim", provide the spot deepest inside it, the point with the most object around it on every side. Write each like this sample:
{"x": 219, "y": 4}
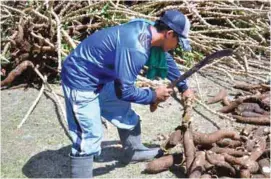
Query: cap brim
{"x": 185, "y": 44}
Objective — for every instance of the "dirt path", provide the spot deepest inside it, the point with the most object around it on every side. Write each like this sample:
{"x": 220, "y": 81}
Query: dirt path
{"x": 40, "y": 148}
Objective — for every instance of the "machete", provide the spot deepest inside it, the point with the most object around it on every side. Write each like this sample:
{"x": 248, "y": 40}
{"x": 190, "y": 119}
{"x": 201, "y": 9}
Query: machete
{"x": 208, "y": 59}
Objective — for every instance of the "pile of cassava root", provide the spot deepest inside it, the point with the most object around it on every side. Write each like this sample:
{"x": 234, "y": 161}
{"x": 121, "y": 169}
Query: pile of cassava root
{"x": 224, "y": 153}
{"x": 252, "y": 108}
{"x": 219, "y": 154}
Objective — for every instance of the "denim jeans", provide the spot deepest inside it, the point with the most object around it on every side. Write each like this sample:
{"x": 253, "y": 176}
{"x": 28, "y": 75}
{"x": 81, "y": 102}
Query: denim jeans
{"x": 84, "y": 110}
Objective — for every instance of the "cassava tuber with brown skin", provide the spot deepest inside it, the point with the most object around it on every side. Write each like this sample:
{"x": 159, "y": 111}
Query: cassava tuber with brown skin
{"x": 262, "y": 131}
{"x": 257, "y": 98}
{"x": 219, "y": 161}
{"x": 207, "y": 139}
{"x": 252, "y": 107}
{"x": 252, "y": 87}
{"x": 265, "y": 120}
{"x": 249, "y": 162}
{"x": 247, "y": 130}
{"x": 259, "y": 149}
{"x": 189, "y": 148}
{"x": 266, "y": 102}
{"x": 197, "y": 167}
{"x": 230, "y": 107}
{"x": 163, "y": 163}
{"x": 175, "y": 138}
{"x": 229, "y": 151}
{"x": 249, "y": 144}
{"x": 245, "y": 162}
{"x": 226, "y": 101}
{"x": 206, "y": 176}
{"x": 226, "y": 153}
{"x": 16, "y": 72}
{"x": 208, "y": 165}
{"x": 265, "y": 166}
{"x": 249, "y": 114}
{"x": 219, "y": 97}
{"x": 229, "y": 143}
{"x": 259, "y": 176}
{"x": 245, "y": 173}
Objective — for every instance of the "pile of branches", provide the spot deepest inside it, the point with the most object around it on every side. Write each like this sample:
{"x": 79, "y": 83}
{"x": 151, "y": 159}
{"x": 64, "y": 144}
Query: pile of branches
{"x": 252, "y": 108}
{"x": 44, "y": 32}
{"x": 219, "y": 154}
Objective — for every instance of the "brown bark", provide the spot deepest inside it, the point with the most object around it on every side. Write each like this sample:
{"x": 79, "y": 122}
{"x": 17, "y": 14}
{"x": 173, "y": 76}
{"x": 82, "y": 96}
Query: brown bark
{"x": 197, "y": 167}
{"x": 265, "y": 120}
{"x": 189, "y": 148}
{"x": 205, "y": 139}
{"x": 16, "y": 72}
{"x": 163, "y": 163}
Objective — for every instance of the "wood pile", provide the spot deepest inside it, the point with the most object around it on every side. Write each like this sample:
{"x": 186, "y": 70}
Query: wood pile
{"x": 44, "y": 33}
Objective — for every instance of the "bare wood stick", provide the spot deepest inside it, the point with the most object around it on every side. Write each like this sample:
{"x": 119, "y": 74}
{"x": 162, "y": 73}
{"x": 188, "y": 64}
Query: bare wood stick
{"x": 4, "y": 58}
{"x": 252, "y": 52}
{"x": 68, "y": 39}
{"x": 42, "y": 38}
{"x": 58, "y": 25}
{"x": 6, "y": 47}
{"x": 69, "y": 19}
{"x": 214, "y": 112}
{"x": 136, "y": 14}
{"x": 65, "y": 34}
{"x": 245, "y": 61}
{"x": 42, "y": 16}
{"x": 243, "y": 72}
{"x": 182, "y": 6}
{"x": 13, "y": 9}
{"x": 223, "y": 70}
{"x": 52, "y": 91}
{"x": 33, "y": 106}
{"x": 221, "y": 30}
{"x": 195, "y": 11}
{"x": 198, "y": 86}
{"x": 83, "y": 9}
{"x": 57, "y": 7}
{"x": 234, "y": 8}
{"x": 237, "y": 63}
{"x": 64, "y": 9}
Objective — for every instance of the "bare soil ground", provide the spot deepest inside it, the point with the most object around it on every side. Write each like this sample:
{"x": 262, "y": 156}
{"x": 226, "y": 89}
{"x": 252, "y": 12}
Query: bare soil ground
{"x": 40, "y": 148}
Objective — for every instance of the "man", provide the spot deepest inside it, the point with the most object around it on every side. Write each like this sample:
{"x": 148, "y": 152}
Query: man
{"x": 98, "y": 80}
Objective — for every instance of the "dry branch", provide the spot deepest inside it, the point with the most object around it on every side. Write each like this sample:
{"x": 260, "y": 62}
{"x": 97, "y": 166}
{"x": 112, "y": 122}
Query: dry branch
{"x": 32, "y": 107}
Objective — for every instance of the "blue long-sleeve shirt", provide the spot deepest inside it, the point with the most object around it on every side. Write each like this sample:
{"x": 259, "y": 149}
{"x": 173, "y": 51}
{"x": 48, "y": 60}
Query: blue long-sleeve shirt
{"x": 116, "y": 53}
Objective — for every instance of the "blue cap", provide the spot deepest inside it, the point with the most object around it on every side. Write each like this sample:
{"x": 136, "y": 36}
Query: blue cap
{"x": 178, "y": 22}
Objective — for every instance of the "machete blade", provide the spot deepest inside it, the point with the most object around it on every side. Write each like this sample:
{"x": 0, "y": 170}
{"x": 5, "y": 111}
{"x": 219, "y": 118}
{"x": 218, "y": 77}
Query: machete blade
{"x": 208, "y": 59}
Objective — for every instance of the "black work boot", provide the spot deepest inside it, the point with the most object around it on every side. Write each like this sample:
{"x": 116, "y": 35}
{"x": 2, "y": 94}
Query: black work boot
{"x": 134, "y": 150}
{"x": 81, "y": 167}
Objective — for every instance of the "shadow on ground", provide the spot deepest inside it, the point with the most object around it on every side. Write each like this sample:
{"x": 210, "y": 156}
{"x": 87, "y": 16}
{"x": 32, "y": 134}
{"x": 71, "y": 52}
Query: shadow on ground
{"x": 55, "y": 163}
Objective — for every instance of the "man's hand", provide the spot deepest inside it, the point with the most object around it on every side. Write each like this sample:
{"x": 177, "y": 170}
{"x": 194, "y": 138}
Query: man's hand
{"x": 162, "y": 93}
{"x": 188, "y": 94}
